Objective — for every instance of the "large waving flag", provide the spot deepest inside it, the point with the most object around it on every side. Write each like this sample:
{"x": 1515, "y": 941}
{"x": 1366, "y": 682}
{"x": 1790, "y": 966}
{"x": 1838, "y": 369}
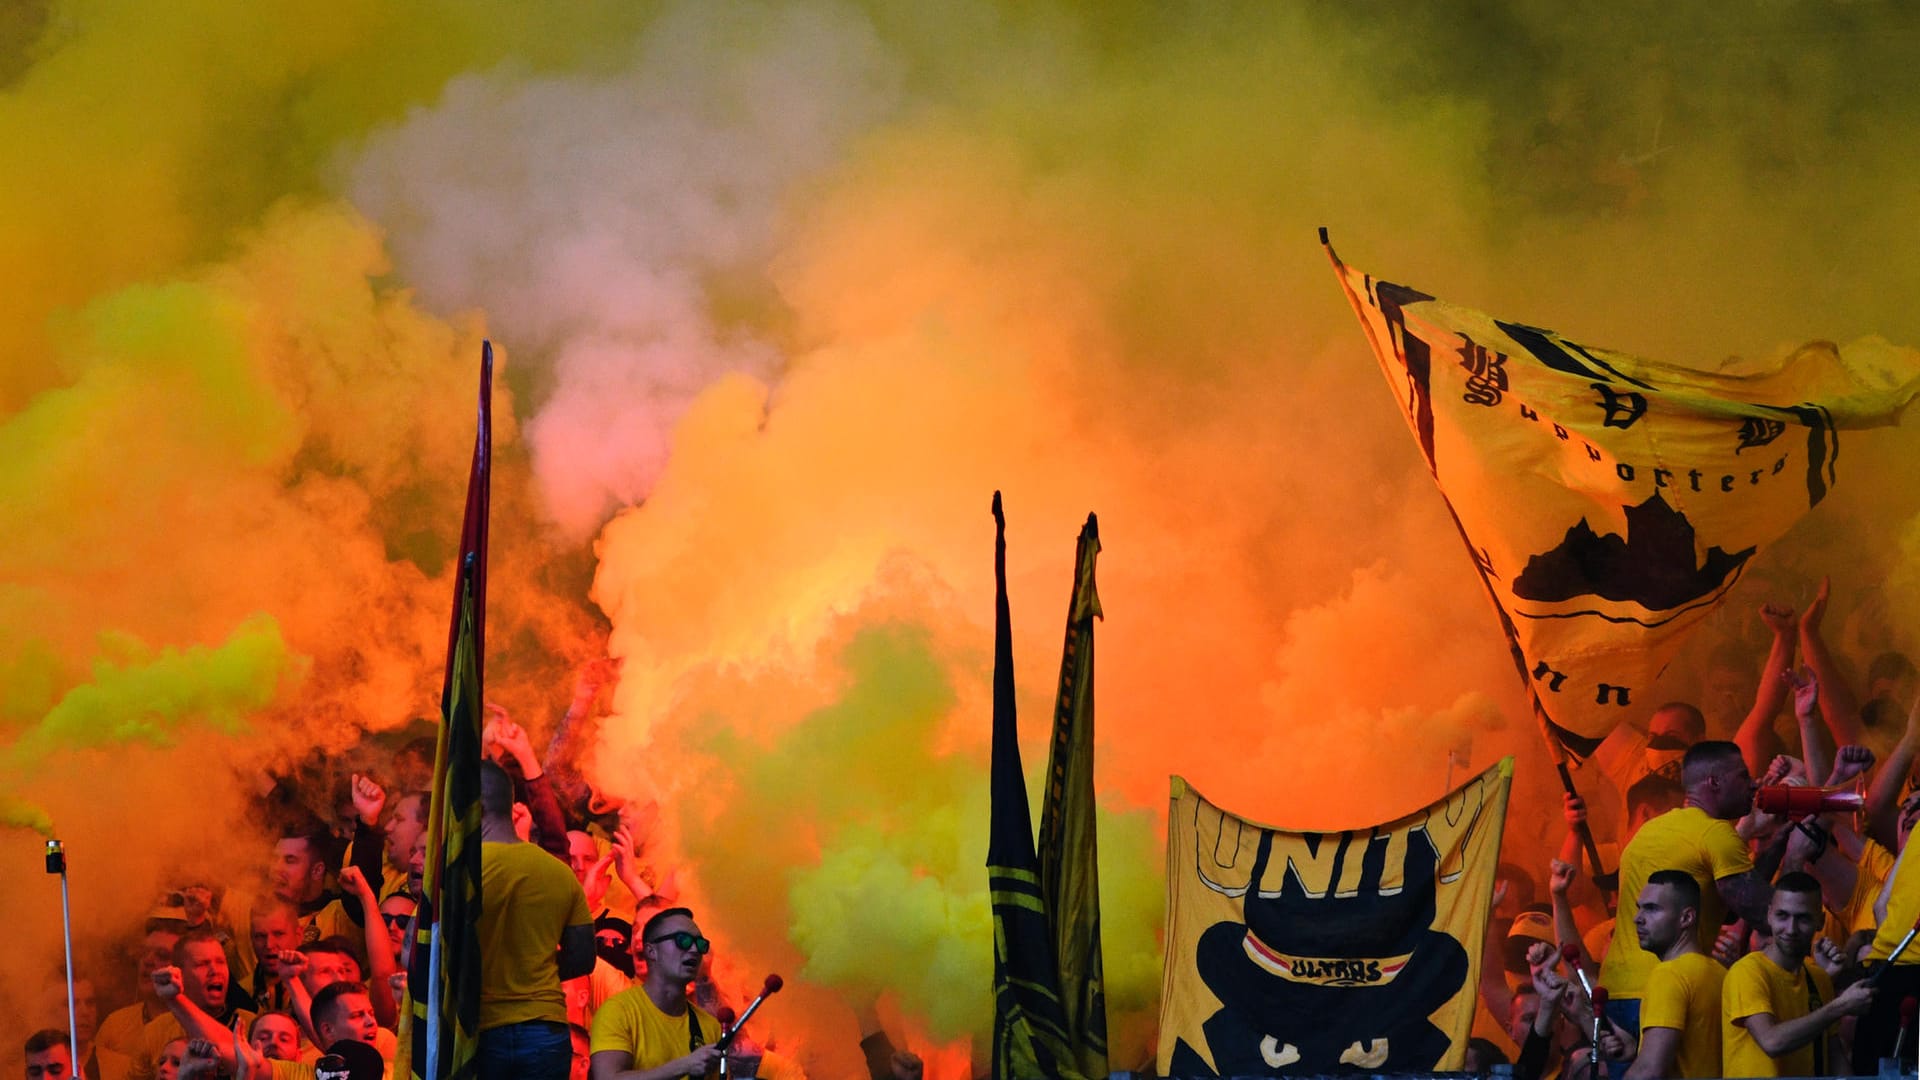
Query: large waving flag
{"x": 1069, "y": 848}
{"x": 1317, "y": 953}
{"x": 1029, "y": 1022}
{"x": 1611, "y": 502}
{"x": 443, "y": 974}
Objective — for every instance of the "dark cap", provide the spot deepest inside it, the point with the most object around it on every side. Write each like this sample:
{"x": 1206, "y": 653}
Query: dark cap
{"x": 350, "y": 1059}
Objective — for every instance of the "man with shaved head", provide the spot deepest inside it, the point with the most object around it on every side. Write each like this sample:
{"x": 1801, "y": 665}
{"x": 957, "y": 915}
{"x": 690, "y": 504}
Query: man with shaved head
{"x": 1698, "y": 840}
{"x": 535, "y": 930}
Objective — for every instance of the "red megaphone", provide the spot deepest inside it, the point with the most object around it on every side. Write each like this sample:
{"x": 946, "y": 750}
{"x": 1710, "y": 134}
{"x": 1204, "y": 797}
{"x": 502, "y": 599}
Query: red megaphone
{"x": 1801, "y": 801}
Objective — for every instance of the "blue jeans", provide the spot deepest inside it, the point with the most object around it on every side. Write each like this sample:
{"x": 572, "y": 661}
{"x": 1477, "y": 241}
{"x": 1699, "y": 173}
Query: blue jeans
{"x": 1626, "y": 1013}
{"x": 529, "y": 1050}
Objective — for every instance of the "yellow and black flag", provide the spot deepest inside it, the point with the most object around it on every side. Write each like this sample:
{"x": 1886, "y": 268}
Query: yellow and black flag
{"x": 1029, "y": 1022}
{"x": 443, "y": 973}
{"x": 1611, "y": 502}
{"x": 1311, "y": 953}
{"x": 1069, "y": 848}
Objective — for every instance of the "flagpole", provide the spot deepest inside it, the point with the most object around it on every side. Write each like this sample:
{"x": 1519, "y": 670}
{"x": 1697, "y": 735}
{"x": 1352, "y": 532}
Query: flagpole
{"x": 57, "y": 864}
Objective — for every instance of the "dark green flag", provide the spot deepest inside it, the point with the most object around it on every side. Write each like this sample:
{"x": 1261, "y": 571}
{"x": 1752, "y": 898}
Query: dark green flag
{"x": 1029, "y": 1023}
{"x": 1069, "y": 851}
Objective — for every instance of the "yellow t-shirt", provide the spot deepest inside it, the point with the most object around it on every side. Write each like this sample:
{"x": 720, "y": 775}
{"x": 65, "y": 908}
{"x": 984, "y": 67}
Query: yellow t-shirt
{"x": 1689, "y": 840}
{"x": 120, "y": 1031}
{"x": 1684, "y": 994}
{"x": 527, "y": 898}
{"x": 631, "y": 1022}
{"x": 1755, "y": 984}
{"x": 290, "y": 1070}
{"x": 1903, "y": 907}
{"x": 1876, "y": 862}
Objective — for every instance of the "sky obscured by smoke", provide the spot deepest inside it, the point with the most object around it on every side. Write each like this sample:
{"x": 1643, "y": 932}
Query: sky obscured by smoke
{"x": 784, "y": 293}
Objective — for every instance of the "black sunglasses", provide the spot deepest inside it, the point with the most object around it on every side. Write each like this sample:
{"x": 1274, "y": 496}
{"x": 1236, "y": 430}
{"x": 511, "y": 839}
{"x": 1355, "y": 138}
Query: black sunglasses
{"x": 683, "y": 941}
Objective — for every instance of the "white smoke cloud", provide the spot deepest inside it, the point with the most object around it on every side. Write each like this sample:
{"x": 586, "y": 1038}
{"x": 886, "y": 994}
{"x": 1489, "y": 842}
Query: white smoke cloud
{"x": 610, "y": 225}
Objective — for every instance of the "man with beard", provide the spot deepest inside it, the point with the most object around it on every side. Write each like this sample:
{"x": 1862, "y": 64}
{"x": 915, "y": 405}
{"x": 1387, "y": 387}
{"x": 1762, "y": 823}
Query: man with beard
{"x": 1680, "y": 1004}
{"x": 652, "y": 1032}
{"x": 199, "y": 997}
{"x": 534, "y": 931}
{"x": 1777, "y": 1005}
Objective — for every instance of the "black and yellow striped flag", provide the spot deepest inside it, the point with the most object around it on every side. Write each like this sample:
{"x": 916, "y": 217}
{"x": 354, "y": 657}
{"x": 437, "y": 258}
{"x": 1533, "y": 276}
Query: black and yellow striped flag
{"x": 443, "y": 974}
{"x": 1029, "y": 1022}
{"x": 1069, "y": 848}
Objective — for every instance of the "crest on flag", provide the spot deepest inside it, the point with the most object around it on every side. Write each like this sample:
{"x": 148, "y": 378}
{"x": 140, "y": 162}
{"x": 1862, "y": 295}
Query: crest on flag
{"x": 1611, "y": 502}
{"x": 1303, "y": 952}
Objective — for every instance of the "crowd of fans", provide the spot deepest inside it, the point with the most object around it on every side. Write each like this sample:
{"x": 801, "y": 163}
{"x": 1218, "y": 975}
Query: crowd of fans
{"x": 298, "y": 971}
{"x": 1729, "y": 940}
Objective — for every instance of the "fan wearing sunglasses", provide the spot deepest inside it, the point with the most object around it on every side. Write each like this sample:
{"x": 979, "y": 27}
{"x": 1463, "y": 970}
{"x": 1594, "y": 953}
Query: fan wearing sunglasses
{"x": 653, "y": 1032}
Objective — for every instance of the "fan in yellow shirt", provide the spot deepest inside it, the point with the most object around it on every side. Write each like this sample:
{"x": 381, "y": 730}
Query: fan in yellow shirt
{"x": 1776, "y": 1005}
{"x": 1698, "y": 839}
{"x": 534, "y": 933}
{"x": 1680, "y": 1001}
{"x": 652, "y": 1032}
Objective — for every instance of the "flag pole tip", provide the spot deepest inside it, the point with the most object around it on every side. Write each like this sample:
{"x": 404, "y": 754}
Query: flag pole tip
{"x": 1093, "y": 523}
{"x": 1323, "y": 234}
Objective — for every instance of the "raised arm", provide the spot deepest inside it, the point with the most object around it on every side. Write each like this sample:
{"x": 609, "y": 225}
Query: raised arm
{"x": 549, "y": 824}
{"x": 194, "y": 1020}
{"x": 380, "y": 963}
{"x": 1752, "y": 736}
{"x": 1883, "y": 798}
{"x": 1560, "y": 877}
{"x": 1838, "y": 703}
{"x": 570, "y": 735}
{"x": 369, "y": 799}
{"x": 1813, "y": 741}
{"x": 299, "y": 1002}
{"x": 626, "y": 865}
